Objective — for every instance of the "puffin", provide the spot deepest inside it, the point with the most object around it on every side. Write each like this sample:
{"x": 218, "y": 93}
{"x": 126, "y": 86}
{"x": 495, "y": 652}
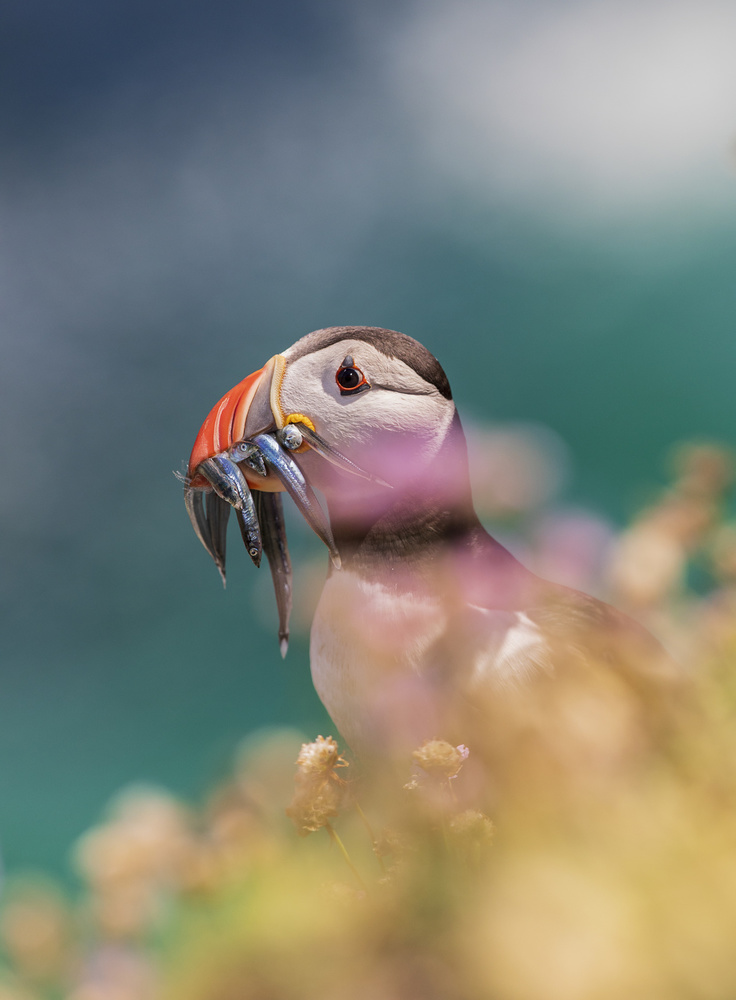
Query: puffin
{"x": 427, "y": 628}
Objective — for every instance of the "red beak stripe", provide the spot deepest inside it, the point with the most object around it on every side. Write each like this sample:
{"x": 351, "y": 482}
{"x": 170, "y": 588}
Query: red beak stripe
{"x": 224, "y": 425}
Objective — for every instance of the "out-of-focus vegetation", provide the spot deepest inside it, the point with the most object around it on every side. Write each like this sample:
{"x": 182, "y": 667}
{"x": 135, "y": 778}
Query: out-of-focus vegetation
{"x": 593, "y": 875}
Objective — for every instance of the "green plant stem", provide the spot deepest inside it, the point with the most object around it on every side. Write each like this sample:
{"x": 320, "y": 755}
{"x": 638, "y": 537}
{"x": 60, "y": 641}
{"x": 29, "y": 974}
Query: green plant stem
{"x": 343, "y": 850}
{"x": 374, "y": 842}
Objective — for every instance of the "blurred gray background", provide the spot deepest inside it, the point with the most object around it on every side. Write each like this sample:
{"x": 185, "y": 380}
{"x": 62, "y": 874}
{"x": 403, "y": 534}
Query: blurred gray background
{"x": 543, "y": 193}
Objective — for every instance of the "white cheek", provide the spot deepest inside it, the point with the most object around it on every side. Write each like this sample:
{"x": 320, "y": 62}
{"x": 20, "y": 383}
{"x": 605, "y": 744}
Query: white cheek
{"x": 361, "y": 418}
{"x": 423, "y": 419}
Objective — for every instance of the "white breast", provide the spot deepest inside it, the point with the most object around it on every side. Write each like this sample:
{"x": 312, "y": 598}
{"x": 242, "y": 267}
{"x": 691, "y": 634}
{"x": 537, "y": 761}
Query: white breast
{"x": 386, "y": 658}
{"x": 368, "y": 648}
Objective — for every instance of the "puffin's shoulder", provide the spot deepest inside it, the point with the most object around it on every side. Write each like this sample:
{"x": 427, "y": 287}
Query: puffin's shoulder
{"x": 533, "y": 623}
{"x": 596, "y": 632}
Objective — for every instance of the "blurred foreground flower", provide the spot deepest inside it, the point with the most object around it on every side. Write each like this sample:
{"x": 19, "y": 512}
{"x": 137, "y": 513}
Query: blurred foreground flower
{"x": 582, "y": 875}
{"x": 318, "y": 760}
{"x": 319, "y": 789}
{"x": 37, "y": 932}
{"x": 440, "y": 759}
{"x": 650, "y": 559}
{"x": 473, "y": 833}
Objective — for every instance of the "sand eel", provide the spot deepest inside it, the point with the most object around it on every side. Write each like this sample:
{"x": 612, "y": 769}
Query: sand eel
{"x": 426, "y": 624}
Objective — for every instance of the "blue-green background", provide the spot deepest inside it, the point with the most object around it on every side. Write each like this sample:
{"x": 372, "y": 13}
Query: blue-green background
{"x": 188, "y": 188}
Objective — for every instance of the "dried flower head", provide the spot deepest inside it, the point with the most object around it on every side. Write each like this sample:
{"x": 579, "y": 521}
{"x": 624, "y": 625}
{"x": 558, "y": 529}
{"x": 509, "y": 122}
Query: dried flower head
{"x": 440, "y": 758}
{"x": 472, "y": 826}
{"x": 320, "y": 757}
{"x": 319, "y": 790}
{"x": 471, "y": 835}
{"x": 314, "y": 804}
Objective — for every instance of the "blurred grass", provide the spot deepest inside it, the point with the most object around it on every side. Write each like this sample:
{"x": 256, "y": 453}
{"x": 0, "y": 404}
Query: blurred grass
{"x": 594, "y": 875}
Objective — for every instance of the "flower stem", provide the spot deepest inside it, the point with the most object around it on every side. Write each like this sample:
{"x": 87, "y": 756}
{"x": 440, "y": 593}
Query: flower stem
{"x": 343, "y": 850}
{"x": 374, "y": 842}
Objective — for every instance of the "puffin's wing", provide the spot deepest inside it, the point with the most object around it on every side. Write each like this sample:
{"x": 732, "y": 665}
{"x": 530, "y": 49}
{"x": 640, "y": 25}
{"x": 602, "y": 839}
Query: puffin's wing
{"x": 503, "y": 649}
{"x": 550, "y": 627}
{"x": 582, "y": 626}
{"x": 567, "y": 683}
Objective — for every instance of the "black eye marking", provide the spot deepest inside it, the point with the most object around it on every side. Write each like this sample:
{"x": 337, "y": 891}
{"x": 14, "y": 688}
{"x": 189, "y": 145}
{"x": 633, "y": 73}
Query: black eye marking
{"x": 350, "y": 379}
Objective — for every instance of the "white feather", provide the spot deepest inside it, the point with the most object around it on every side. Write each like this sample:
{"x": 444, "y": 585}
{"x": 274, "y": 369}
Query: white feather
{"x": 373, "y": 657}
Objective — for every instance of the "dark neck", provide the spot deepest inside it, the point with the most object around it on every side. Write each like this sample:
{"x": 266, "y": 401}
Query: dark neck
{"x": 418, "y": 521}
{"x": 407, "y": 530}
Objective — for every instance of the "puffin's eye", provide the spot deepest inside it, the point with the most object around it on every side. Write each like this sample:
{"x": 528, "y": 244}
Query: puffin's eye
{"x": 350, "y": 379}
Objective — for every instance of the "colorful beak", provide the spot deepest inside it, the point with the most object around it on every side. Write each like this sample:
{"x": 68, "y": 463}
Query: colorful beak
{"x": 242, "y": 412}
{"x": 236, "y": 450}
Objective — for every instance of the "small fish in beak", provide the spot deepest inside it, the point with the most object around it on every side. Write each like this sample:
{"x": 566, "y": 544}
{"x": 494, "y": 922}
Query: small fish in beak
{"x": 230, "y": 485}
{"x": 298, "y": 489}
{"x": 270, "y": 512}
{"x": 194, "y": 502}
{"x": 218, "y": 514}
{"x": 294, "y": 435}
{"x": 248, "y": 453}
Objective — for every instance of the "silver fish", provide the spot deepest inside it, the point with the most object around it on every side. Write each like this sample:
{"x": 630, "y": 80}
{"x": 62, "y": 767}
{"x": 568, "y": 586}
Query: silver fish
{"x": 229, "y": 483}
{"x": 218, "y": 514}
{"x": 270, "y": 512}
{"x": 298, "y": 489}
{"x": 194, "y": 502}
{"x": 248, "y": 453}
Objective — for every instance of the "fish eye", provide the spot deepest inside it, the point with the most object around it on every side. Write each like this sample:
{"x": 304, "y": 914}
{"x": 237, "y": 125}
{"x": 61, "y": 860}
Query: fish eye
{"x": 350, "y": 378}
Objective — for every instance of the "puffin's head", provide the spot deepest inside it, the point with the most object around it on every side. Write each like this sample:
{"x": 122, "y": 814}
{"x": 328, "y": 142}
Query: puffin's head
{"x": 364, "y": 414}
{"x": 375, "y": 396}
